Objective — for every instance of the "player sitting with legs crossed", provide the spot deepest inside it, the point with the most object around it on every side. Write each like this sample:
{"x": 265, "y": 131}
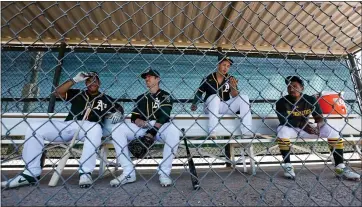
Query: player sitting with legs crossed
{"x": 150, "y": 121}
{"x": 293, "y": 111}
{"x": 222, "y": 97}
{"x": 63, "y": 131}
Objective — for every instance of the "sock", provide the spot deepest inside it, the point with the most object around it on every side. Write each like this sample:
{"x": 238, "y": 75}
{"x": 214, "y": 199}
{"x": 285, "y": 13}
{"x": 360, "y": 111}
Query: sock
{"x": 336, "y": 146}
{"x": 284, "y": 147}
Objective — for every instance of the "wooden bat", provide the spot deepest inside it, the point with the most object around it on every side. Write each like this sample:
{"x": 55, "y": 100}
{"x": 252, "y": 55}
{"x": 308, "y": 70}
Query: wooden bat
{"x": 192, "y": 168}
{"x": 58, "y": 172}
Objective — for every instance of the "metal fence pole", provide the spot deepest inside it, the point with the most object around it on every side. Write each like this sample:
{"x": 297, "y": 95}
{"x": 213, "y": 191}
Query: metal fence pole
{"x": 31, "y": 89}
{"x": 56, "y": 78}
{"x": 356, "y": 79}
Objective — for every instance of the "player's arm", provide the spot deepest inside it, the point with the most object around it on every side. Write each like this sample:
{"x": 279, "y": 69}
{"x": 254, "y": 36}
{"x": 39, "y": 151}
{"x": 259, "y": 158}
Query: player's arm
{"x": 234, "y": 87}
{"x": 136, "y": 116}
{"x": 317, "y": 113}
{"x": 198, "y": 95}
{"x": 283, "y": 115}
{"x": 61, "y": 91}
{"x": 162, "y": 115}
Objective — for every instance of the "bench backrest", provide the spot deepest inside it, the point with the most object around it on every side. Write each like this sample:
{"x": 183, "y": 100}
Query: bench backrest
{"x": 14, "y": 124}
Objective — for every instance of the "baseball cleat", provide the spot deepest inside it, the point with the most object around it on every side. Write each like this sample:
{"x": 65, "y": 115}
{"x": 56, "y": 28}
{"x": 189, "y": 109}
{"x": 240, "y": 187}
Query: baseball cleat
{"x": 123, "y": 179}
{"x": 165, "y": 181}
{"x": 20, "y": 180}
{"x": 343, "y": 172}
{"x": 85, "y": 180}
{"x": 289, "y": 171}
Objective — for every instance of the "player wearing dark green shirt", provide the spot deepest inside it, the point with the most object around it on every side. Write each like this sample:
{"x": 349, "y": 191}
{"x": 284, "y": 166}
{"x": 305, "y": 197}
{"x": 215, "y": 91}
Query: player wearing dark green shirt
{"x": 63, "y": 131}
{"x": 222, "y": 97}
{"x": 151, "y": 118}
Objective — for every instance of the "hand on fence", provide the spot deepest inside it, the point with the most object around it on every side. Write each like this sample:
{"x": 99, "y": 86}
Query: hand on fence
{"x": 81, "y": 76}
{"x": 193, "y": 107}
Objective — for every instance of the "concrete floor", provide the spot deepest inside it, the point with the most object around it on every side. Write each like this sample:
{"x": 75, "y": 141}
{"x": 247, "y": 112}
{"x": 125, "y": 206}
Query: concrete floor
{"x": 315, "y": 185}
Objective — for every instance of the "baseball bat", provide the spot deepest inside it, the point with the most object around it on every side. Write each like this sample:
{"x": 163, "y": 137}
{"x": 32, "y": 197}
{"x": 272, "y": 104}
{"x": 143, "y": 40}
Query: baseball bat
{"x": 58, "y": 172}
{"x": 192, "y": 168}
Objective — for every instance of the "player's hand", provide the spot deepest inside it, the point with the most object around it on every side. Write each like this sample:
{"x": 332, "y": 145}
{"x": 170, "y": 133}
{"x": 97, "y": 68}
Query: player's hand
{"x": 140, "y": 123}
{"x": 81, "y": 76}
{"x": 193, "y": 107}
{"x": 116, "y": 117}
{"x": 311, "y": 129}
{"x": 320, "y": 125}
{"x": 233, "y": 82}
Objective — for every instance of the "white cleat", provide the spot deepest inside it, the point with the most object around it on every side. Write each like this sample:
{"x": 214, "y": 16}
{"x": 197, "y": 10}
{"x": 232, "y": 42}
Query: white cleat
{"x": 123, "y": 179}
{"x": 289, "y": 171}
{"x": 85, "y": 180}
{"x": 343, "y": 172}
{"x": 165, "y": 181}
{"x": 20, "y": 180}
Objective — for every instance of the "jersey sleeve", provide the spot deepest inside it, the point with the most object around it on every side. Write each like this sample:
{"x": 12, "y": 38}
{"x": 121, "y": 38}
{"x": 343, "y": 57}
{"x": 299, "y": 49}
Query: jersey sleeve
{"x": 71, "y": 93}
{"x": 164, "y": 112}
{"x": 283, "y": 115}
{"x": 200, "y": 91}
{"x": 203, "y": 85}
{"x": 316, "y": 111}
{"x": 136, "y": 113}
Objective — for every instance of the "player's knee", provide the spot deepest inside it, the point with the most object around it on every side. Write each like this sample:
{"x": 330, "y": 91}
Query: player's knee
{"x": 172, "y": 134}
{"x": 35, "y": 129}
{"x": 213, "y": 99}
{"x": 96, "y": 129}
{"x": 284, "y": 132}
{"x": 118, "y": 128}
{"x": 244, "y": 99}
{"x": 328, "y": 132}
{"x": 94, "y": 133}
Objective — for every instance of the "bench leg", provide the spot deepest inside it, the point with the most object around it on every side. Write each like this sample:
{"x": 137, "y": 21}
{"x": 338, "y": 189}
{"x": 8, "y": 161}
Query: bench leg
{"x": 103, "y": 160}
{"x": 242, "y": 154}
{"x": 250, "y": 150}
{"x": 228, "y": 153}
{"x": 232, "y": 155}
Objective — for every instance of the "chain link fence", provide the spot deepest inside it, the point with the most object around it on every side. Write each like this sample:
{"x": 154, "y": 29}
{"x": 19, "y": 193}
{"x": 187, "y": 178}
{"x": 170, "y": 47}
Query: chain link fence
{"x": 44, "y": 44}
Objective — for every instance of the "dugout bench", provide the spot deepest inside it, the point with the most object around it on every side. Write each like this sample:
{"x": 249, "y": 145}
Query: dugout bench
{"x": 195, "y": 126}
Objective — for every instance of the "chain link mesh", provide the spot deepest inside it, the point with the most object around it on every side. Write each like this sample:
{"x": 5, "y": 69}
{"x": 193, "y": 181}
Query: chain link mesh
{"x": 44, "y": 44}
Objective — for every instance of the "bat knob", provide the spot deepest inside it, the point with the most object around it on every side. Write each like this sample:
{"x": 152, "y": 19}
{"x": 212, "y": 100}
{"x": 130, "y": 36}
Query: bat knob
{"x": 196, "y": 187}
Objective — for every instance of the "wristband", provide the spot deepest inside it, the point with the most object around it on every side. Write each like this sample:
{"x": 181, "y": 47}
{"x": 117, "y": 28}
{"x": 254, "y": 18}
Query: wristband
{"x": 71, "y": 79}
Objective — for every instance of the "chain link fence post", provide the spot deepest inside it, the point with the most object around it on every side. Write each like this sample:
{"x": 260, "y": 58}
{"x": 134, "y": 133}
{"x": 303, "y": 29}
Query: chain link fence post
{"x": 56, "y": 78}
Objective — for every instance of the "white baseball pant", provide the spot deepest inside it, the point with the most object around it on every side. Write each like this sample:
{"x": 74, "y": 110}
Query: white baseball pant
{"x": 214, "y": 107}
{"x": 326, "y": 131}
{"x": 61, "y": 132}
{"x": 122, "y": 133}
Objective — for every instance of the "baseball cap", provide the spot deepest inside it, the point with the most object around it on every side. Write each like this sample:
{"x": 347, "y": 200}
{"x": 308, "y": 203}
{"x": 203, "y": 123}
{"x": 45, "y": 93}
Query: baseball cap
{"x": 93, "y": 74}
{"x": 294, "y": 79}
{"x": 222, "y": 58}
{"x": 150, "y": 72}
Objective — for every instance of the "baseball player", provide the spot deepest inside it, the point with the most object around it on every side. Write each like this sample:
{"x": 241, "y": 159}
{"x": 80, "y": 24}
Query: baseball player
{"x": 293, "y": 111}
{"x": 63, "y": 131}
{"x": 151, "y": 121}
{"x": 222, "y": 97}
